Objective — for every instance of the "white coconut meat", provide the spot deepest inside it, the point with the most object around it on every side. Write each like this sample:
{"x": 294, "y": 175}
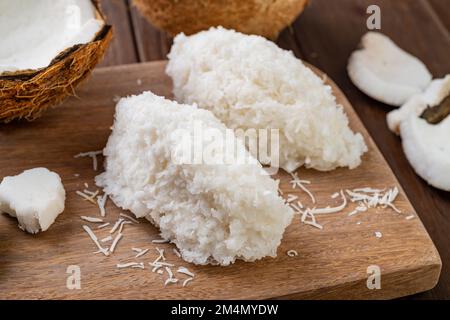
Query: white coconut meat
{"x": 214, "y": 212}
{"x": 437, "y": 91}
{"x": 35, "y": 32}
{"x": 385, "y": 72}
{"x": 35, "y": 197}
{"x": 250, "y": 83}
{"x": 427, "y": 148}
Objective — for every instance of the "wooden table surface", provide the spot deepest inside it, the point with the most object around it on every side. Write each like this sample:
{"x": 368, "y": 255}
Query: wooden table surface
{"x": 325, "y": 35}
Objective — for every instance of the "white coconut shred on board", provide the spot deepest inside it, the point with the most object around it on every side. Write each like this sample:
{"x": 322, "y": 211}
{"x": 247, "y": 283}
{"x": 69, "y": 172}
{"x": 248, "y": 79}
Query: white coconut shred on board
{"x": 91, "y": 154}
{"x": 365, "y": 197}
{"x": 292, "y": 253}
{"x": 101, "y": 201}
{"x": 91, "y": 219}
{"x": 86, "y": 197}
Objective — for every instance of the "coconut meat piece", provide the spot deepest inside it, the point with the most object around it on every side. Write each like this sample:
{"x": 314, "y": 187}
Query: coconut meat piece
{"x": 35, "y": 197}
{"x": 35, "y": 32}
{"x": 385, "y": 72}
{"x": 436, "y": 92}
{"x": 427, "y": 149}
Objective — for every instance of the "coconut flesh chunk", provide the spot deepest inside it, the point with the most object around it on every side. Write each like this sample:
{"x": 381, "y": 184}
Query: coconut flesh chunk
{"x": 35, "y": 197}
{"x": 385, "y": 72}
{"x": 437, "y": 91}
{"x": 427, "y": 149}
{"x": 250, "y": 83}
{"x": 213, "y": 212}
{"x": 35, "y": 32}
{"x": 424, "y": 126}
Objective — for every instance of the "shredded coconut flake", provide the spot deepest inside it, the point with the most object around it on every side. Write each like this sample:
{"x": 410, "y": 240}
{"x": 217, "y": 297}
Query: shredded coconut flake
{"x": 161, "y": 253}
{"x": 95, "y": 240}
{"x": 85, "y": 196}
{"x": 378, "y": 234}
{"x": 171, "y": 279}
{"x": 131, "y": 265}
{"x": 328, "y": 209}
{"x": 160, "y": 241}
{"x": 372, "y": 198}
{"x": 122, "y": 224}
{"x": 91, "y": 219}
{"x": 93, "y": 155}
{"x": 177, "y": 253}
{"x": 291, "y": 198}
{"x": 103, "y": 225}
{"x": 116, "y": 225}
{"x": 114, "y": 244}
{"x": 101, "y": 201}
{"x": 185, "y": 282}
{"x": 185, "y": 271}
{"x": 314, "y": 224}
{"x": 108, "y": 238}
{"x": 140, "y": 266}
{"x": 292, "y": 253}
{"x": 129, "y": 217}
{"x": 140, "y": 254}
{"x": 296, "y": 182}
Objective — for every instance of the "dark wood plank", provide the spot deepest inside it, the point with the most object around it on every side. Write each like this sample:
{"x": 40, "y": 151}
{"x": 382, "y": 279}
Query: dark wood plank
{"x": 288, "y": 41}
{"x": 328, "y": 31}
{"x": 122, "y": 49}
{"x": 152, "y": 44}
{"x": 442, "y": 10}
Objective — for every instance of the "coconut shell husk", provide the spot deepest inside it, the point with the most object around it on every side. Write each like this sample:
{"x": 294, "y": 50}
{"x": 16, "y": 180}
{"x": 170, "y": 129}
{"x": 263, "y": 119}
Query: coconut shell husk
{"x": 28, "y": 93}
{"x": 262, "y": 17}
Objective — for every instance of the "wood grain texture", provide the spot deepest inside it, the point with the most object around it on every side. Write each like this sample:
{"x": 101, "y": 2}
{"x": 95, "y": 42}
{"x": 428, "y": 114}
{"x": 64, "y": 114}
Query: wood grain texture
{"x": 152, "y": 44}
{"x": 332, "y": 262}
{"x": 327, "y": 32}
{"x": 122, "y": 49}
{"x": 442, "y": 11}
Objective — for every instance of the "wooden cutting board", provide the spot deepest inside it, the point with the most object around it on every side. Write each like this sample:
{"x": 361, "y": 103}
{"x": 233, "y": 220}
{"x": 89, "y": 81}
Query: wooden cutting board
{"x": 332, "y": 263}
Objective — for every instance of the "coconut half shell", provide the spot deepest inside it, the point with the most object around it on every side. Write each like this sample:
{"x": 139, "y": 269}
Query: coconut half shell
{"x": 28, "y": 93}
{"x": 262, "y": 17}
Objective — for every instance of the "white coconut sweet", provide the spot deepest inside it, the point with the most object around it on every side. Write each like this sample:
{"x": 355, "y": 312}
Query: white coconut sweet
{"x": 35, "y": 32}
{"x": 214, "y": 212}
{"x": 385, "y": 72}
{"x": 35, "y": 197}
{"x": 250, "y": 83}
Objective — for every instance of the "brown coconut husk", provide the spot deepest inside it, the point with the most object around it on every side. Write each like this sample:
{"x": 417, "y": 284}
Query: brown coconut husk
{"x": 262, "y": 17}
{"x": 28, "y": 93}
